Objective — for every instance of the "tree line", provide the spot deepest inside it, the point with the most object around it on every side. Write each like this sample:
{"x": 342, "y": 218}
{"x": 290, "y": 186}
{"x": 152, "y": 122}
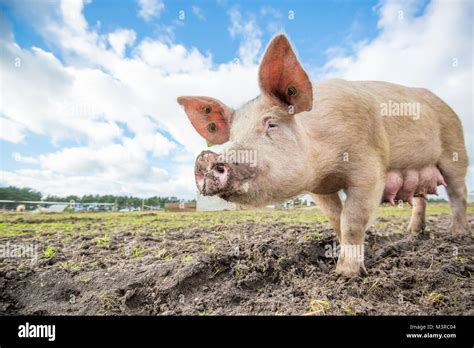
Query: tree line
{"x": 28, "y": 194}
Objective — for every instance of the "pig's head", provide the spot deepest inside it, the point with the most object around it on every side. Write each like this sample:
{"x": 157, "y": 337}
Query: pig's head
{"x": 264, "y": 158}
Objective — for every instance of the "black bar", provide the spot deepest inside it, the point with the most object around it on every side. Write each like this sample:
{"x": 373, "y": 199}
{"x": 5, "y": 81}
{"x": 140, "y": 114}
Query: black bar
{"x": 289, "y": 331}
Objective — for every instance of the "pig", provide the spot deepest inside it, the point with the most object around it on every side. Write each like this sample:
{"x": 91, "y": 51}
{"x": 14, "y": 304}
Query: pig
{"x": 328, "y": 137}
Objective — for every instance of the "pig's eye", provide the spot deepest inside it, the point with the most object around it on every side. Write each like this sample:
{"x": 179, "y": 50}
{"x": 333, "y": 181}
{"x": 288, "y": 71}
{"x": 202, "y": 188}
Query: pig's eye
{"x": 270, "y": 124}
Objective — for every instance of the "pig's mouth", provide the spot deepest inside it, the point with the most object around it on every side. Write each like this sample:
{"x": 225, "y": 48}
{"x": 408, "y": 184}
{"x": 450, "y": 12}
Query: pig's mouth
{"x": 230, "y": 181}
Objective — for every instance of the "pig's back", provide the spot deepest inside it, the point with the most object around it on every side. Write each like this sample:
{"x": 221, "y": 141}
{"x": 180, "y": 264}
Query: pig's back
{"x": 411, "y": 118}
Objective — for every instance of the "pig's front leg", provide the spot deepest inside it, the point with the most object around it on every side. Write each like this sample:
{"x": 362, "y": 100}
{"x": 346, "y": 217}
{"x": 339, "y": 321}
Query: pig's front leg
{"x": 359, "y": 209}
{"x": 331, "y": 206}
{"x": 417, "y": 221}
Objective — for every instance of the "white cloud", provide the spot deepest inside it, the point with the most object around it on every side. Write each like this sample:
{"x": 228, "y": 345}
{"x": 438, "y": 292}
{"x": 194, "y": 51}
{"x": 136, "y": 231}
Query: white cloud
{"x": 71, "y": 12}
{"x": 120, "y": 39}
{"x": 127, "y": 160}
{"x": 24, "y": 159}
{"x": 198, "y": 12}
{"x": 270, "y": 11}
{"x": 98, "y": 97}
{"x": 161, "y": 146}
{"x": 432, "y": 50}
{"x": 116, "y": 168}
{"x": 11, "y": 131}
{"x": 149, "y": 9}
{"x": 274, "y": 19}
{"x": 250, "y": 35}
{"x": 172, "y": 59}
{"x": 53, "y": 183}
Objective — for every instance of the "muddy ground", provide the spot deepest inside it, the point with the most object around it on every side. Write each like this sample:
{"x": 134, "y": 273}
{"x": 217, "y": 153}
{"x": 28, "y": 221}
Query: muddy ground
{"x": 247, "y": 267}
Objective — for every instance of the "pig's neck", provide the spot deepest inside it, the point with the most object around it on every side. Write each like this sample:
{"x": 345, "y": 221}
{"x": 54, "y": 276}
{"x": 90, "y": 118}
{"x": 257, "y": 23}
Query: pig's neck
{"x": 324, "y": 174}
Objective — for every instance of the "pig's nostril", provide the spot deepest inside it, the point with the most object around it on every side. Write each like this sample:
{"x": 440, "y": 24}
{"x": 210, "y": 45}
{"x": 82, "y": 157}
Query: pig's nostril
{"x": 220, "y": 168}
{"x": 221, "y": 173}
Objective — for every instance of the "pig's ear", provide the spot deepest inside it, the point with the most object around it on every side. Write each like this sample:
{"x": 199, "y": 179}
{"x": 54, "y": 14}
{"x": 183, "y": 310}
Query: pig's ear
{"x": 209, "y": 116}
{"x": 282, "y": 77}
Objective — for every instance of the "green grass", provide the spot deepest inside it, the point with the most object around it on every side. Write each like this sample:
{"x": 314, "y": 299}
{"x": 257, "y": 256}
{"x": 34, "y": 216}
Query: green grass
{"x": 432, "y": 208}
{"x": 137, "y": 252}
{"x": 308, "y": 236}
{"x": 70, "y": 265}
{"x": 163, "y": 254}
{"x": 318, "y": 307}
{"x": 12, "y": 224}
{"x": 461, "y": 259}
{"x": 436, "y": 299}
{"x": 187, "y": 258}
{"x": 49, "y": 252}
{"x": 102, "y": 242}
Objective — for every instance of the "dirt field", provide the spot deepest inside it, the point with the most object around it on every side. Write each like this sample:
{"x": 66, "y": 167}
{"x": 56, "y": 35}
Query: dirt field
{"x": 240, "y": 262}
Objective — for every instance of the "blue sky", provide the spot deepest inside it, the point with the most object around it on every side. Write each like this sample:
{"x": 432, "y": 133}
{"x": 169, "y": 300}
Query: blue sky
{"x": 333, "y": 21}
{"x": 99, "y": 78}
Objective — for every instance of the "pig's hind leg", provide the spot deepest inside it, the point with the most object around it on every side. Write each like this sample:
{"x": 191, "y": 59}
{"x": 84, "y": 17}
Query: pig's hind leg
{"x": 453, "y": 164}
{"x": 331, "y": 206}
{"x": 454, "y": 173}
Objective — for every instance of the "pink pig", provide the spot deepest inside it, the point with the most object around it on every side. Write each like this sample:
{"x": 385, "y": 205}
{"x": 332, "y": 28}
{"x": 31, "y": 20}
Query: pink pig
{"x": 330, "y": 136}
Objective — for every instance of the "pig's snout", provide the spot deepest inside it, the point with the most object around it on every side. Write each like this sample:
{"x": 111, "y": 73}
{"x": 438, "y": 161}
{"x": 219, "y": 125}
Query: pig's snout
{"x": 212, "y": 176}
{"x": 215, "y": 175}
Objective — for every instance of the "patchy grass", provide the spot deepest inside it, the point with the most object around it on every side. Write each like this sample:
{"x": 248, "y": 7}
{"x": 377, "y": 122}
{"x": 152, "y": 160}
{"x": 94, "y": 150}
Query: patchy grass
{"x": 210, "y": 248}
{"x": 22, "y": 266}
{"x": 461, "y": 259}
{"x": 436, "y": 299}
{"x": 187, "y": 258}
{"x": 49, "y": 252}
{"x": 110, "y": 302}
{"x": 137, "y": 252}
{"x": 349, "y": 311}
{"x": 164, "y": 255}
{"x": 84, "y": 279}
{"x": 102, "y": 242}
{"x": 12, "y": 224}
{"x": 318, "y": 307}
{"x": 70, "y": 265}
{"x": 312, "y": 236}
{"x": 374, "y": 286}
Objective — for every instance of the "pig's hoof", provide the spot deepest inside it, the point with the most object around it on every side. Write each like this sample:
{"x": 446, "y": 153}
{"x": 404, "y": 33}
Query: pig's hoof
{"x": 458, "y": 228}
{"x": 416, "y": 228}
{"x": 351, "y": 268}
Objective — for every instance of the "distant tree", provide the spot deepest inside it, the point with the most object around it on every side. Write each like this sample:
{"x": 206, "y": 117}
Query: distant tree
{"x": 19, "y": 194}
{"x": 73, "y": 198}
{"x": 54, "y": 198}
{"x": 27, "y": 194}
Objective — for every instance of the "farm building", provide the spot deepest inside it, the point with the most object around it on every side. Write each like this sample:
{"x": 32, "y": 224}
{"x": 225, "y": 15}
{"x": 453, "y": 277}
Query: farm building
{"x": 56, "y": 208}
{"x": 180, "y": 206}
{"x": 213, "y": 203}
